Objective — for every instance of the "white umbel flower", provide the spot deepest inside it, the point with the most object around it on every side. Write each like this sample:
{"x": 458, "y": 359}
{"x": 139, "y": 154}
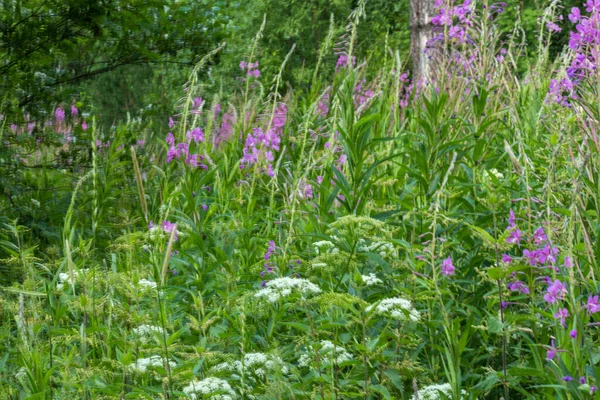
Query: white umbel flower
{"x": 371, "y": 279}
{"x": 142, "y": 364}
{"x": 329, "y": 353}
{"x": 146, "y": 284}
{"x": 325, "y": 246}
{"x": 258, "y": 363}
{"x": 435, "y": 392}
{"x": 283, "y": 287}
{"x": 147, "y": 332}
{"x": 213, "y": 388}
{"x": 396, "y": 308}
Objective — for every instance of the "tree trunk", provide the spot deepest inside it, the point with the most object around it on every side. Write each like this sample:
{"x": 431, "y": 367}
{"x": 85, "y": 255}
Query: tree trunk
{"x": 421, "y": 30}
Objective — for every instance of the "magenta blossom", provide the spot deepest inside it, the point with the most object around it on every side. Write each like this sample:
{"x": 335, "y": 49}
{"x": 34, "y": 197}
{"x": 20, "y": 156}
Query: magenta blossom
{"x": 514, "y": 237}
{"x": 556, "y": 291}
{"x": 562, "y": 315}
{"x": 447, "y": 267}
{"x": 592, "y": 305}
{"x": 518, "y": 286}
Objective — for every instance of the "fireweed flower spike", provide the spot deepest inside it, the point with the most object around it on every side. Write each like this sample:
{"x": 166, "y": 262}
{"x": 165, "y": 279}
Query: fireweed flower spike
{"x": 592, "y": 305}
{"x": 447, "y": 267}
{"x": 556, "y": 291}
{"x": 562, "y": 315}
{"x": 514, "y": 237}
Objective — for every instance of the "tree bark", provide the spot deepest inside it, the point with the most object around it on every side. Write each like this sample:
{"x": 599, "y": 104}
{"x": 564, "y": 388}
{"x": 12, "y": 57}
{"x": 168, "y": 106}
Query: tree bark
{"x": 421, "y": 30}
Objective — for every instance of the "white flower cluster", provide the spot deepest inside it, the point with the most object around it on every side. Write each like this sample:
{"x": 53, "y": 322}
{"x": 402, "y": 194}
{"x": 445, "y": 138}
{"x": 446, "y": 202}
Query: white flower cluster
{"x": 21, "y": 373}
{"x": 259, "y": 363}
{"x": 435, "y": 392}
{"x": 142, "y": 364}
{"x": 325, "y": 246}
{"x": 146, "y": 284}
{"x": 397, "y": 308}
{"x": 494, "y": 172}
{"x": 283, "y": 287}
{"x": 65, "y": 278}
{"x": 384, "y": 249}
{"x": 329, "y": 352}
{"x": 147, "y": 332}
{"x": 371, "y": 279}
{"x": 213, "y": 388}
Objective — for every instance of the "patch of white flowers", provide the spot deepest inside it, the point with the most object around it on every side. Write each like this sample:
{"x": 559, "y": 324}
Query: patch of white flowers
{"x": 146, "y": 284}
{"x": 435, "y": 392}
{"x": 21, "y": 373}
{"x": 396, "y": 308}
{"x": 329, "y": 352}
{"x": 258, "y": 363}
{"x": 284, "y": 287}
{"x": 371, "y": 279}
{"x": 146, "y": 332}
{"x": 213, "y": 388}
{"x": 142, "y": 364}
{"x": 494, "y": 172}
{"x": 384, "y": 249}
{"x": 65, "y": 278}
{"x": 325, "y": 246}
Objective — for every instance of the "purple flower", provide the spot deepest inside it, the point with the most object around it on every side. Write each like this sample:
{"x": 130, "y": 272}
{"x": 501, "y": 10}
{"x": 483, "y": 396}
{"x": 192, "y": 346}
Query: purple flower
{"x": 204, "y": 207}
{"x": 59, "y": 114}
{"x": 270, "y": 250}
{"x": 592, "y": 305}
{"x": 556, "y": 291}
{"x": 567, "y": 378}
{"x": 511, "y": 219}
{"x": 575, "y": 15}
{"x": 171, "y": 123}
{"x": 551, "y": 352}
{"x": 593, "y": 389}
{"x": 552, "y": 27}
{"x": 518, "y": 286}
{"x": 568, "y": 263}
{"x": 84, "y": 126}
{"x": 506, "y": 259}
{"x": 447, "y": 267}
{"x": 539, "y": 236}
{"x": 197, "y": 135}
{"x": 562, "y": 315}
{"x": 514, "y": 237}
{"x": 170, "y": 139}
{"x": 573, "y": 333}
{"x": 582, "y": 380}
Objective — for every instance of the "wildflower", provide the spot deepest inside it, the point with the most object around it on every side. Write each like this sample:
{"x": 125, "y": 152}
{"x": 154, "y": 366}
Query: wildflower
{"x": 568, "y": 263}
{"x": 270, "y": 250}
{"x": 142, "y": 364}
{"x": 514, "y": 237}
{"x": 436, "y": 392}
{"x": 258, "y": 364}
{"x": 582, "y": 380}
{"x": 197, "y": 135}
{"x": 396, "y": 308}
{"x": 556, "y": 291}
{"x": 551, "y": 352}
{"x": 562, "y": 315}
{"x": 84, "y": 126}
{"x": 371, "y": 279}
{"x": 214, "y": 388}
{"x": 593, "y": 389}
{"x": 567, "y": 378}
{"x": 573, "y": 333}
{"x": 511, "y": 220}
{"x": 146, "y": 332}
{"x": 539, "y": 236}
{"x": 74, "y": 110}
{"x": 330, "y": 354}
{"x": 59, "y": 114}
{"x": 518, "y": 286}
{"x": 146, "y": 284}
{"x": 575, "y": 15}
{"x": 552, "y": 27}
{"x": 280, "y": 288}
{"x": 447, "y": 267}
{"x": 592, "y": 305}
{"x": 507, "y": 259}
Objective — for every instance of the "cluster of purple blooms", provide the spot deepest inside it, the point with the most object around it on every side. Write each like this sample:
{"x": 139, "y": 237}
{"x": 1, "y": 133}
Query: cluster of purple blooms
{"x": 250, "y": 68}
{"x": 585, "y": 43}
{"x": 343, "y": 62}
{"x": 181, "y": 150}
{"x": 457, "y": 18}
{"x": 260, "y": 146}
{"x": 546, "y": 256}
{"x": 165, "y": 226}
